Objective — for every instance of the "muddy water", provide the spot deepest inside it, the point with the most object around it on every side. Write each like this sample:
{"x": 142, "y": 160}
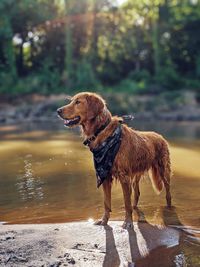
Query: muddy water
{"x": 47, "y": 175}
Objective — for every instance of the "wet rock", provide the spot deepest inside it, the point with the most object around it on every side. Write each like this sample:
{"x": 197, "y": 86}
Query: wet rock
{"x": 32, "y": 245}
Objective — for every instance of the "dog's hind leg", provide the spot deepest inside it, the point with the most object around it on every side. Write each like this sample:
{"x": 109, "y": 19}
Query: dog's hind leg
{"x": 127, "y": 190}
{"x": 164, "y": 169}
{"x": 166, "y": 181}
{"x": 107, "y": 184}
{"x": 136, "y": 191}
{"x": 168, "y": 194}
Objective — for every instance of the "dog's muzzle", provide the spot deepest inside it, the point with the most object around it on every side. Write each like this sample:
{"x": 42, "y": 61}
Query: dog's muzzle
{"x": 68, "y": 121}
{"x": 71, "y": 122}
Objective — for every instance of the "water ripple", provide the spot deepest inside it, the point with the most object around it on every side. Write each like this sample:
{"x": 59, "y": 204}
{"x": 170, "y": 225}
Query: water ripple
{"x": 28, "y": 185}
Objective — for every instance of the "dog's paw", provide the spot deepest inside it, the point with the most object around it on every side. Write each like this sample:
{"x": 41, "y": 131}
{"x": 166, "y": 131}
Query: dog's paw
{"x": 127, "y": 225}
{"x": 101, "y": 222}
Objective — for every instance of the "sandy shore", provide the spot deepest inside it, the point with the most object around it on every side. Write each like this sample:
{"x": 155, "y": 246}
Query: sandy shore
{"x": 84, "y": 244}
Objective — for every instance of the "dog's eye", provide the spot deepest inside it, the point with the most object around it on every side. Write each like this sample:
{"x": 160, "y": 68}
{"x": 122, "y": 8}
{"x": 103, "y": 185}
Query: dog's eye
{"x": 77, "y": 102}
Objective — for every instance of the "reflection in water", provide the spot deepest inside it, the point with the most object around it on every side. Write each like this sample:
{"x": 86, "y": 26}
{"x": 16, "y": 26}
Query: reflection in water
{"x": 181, "y": 251}
{"x": 53, "y": 174}
{"x": 53, "y": 169}
{"x": 28, "y": 185}
{"x": 162, "y": 247}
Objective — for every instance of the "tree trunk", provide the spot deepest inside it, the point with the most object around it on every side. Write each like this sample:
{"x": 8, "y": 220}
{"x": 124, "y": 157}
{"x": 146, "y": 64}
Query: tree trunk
{"x": 9, "y": 50}
{"x": 21, "y": 59}
{"x": 68, "y": 44}
{"x": 156, "y": 47}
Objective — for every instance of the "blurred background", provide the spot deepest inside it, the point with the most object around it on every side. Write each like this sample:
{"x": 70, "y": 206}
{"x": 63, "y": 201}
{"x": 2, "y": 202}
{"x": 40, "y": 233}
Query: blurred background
{"x": 146, "y": 50}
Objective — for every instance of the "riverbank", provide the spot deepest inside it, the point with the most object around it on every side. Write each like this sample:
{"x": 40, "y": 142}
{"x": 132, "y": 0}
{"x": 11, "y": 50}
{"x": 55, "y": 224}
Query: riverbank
{"x": 84, "y": 244}
{"x": 179, "y": 106}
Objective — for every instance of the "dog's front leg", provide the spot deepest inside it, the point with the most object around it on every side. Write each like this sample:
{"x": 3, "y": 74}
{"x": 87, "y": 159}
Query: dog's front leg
{"x": 136, "y": 191}
{"x": 127, "y": 190}
{"x": 107, "y": 202}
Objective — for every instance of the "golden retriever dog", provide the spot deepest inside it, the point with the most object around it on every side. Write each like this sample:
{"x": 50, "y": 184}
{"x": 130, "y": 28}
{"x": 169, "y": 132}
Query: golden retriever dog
{"x": 139, "y": 153}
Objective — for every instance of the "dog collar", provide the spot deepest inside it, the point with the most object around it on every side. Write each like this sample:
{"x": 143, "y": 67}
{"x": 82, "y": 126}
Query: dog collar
{"x": 92, "y": 138}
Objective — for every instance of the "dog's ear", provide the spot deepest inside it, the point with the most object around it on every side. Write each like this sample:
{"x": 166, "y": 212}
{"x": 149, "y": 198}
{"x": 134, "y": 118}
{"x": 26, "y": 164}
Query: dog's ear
{"x": 95, "y": 106}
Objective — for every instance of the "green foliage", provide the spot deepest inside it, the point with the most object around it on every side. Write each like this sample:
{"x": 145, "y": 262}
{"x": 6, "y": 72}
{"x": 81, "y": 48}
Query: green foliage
{"x": 84, "y": 76}
{"x": 193, "y": 84}
{"x": 47, "y": 80}
{"x": 142, "y": 75}
{"x": 6, "y": 83}
{"x": 137, "y": 47}
{"x": 169, "y": 79}
{"x": 130, "y": 86}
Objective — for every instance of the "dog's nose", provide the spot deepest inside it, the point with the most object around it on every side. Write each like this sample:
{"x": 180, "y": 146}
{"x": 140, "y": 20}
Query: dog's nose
{"x": 59, "y": 111}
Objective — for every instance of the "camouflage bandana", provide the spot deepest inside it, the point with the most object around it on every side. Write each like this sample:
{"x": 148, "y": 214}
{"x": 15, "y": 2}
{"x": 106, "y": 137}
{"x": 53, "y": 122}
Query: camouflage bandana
{"x": 104, "y": 155}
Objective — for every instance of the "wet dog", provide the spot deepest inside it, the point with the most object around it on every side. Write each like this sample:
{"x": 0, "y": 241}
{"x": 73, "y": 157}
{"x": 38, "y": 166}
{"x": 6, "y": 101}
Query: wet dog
{"x": 138, "y": 154}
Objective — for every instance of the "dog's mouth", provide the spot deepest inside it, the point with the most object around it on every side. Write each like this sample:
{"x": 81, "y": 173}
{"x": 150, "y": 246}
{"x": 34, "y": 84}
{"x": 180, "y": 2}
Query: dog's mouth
{"x": 72, "y": 122}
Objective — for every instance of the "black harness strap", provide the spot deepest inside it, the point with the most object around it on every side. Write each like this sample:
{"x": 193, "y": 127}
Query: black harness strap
{"x": 89, "y": 140}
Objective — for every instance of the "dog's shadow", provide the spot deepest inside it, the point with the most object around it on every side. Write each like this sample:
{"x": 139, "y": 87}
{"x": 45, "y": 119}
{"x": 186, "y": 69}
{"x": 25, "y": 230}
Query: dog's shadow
{"x": 145, "y": 241}
{"x": 111, "y": 258}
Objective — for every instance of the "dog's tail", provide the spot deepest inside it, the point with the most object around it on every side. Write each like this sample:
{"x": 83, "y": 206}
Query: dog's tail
{"x": 161, "y": 170}
{"x": 156, "y": 179}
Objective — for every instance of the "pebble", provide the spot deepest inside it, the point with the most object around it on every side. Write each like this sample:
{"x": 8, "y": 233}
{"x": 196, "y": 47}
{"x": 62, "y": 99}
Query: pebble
{"x": 55, "y": 264}
{"x": 69, "y": 259}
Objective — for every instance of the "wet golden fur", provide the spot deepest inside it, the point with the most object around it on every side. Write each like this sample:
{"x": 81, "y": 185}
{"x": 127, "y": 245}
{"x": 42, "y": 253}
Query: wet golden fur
{"x": 140, "y": 152}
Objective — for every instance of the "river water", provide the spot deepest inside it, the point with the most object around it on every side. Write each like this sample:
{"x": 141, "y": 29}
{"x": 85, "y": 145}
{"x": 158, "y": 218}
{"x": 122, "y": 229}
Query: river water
{"x": 47, "y": 176}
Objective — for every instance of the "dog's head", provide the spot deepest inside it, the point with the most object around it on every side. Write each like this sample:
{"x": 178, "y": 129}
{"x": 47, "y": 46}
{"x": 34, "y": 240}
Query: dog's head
{"x": 83, "y": 107}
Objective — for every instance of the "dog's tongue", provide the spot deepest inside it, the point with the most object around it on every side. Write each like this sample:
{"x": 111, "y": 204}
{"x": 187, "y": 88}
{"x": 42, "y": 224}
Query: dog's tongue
{"x": 66, "y": 121}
